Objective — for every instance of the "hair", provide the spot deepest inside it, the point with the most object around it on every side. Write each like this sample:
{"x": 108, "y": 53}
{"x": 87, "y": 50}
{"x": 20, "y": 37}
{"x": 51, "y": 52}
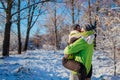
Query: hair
{"x": 74, "y": 27}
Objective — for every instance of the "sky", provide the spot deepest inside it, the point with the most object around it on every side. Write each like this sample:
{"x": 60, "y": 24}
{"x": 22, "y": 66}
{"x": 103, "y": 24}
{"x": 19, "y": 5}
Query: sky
{"x": 40, "y": 22}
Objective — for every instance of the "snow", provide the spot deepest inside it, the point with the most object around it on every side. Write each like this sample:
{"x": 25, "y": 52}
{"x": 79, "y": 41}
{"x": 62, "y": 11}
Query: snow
{"x": 115, "y": 8}
{"x": 46, "y": 65}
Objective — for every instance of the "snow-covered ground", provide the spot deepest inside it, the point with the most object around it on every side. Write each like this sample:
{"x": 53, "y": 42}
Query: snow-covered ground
{"x": 46, "y": 65}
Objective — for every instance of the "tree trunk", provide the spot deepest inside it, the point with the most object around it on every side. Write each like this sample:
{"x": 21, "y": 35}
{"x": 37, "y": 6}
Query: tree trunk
{"x": 78, "y": 13}
{"x": 26, "y": 40}
{"x": 6, "y": 41}
{"x": 89, "y": 12}
{"x": 73, "y": 20}
{"x": 114, "y": 51}
{"x": 55, "y": 24}
{"x": 19, "y": 31}
{"x": 28, "y": 27}
{"x": 30, "y": 23}
{"x": 97, "y": 9}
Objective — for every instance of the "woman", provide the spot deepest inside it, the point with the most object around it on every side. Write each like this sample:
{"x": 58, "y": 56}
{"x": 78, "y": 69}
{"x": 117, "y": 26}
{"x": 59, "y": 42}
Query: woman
{"x": 82, "y": 51}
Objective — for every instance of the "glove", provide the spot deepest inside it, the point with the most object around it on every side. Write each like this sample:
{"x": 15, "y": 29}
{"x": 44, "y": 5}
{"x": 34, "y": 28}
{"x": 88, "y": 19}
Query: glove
{"x": 94, "y": 26}
{"x": 88, "y": 27}
{"x": 91, "y": 26}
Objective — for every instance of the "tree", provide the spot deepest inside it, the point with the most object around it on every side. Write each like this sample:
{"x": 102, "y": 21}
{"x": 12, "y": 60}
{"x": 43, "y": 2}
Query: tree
{"x": 52, "y": 24}
{"x": 97, "y": 5}
{"x": 108, "y": 34}
{"x": 31, "y": 20}
{"x": 6, "y": 41}
{"x": 56, "y": 31}
{"x": 7, "y": 6}
{"x": 72, "y": 10}
{"x": 19, "y": 30}
{"x": 117, "y": 2}
{"x": 74, "y": 7}
{"x": 89, "y": 12}
{"x": 56, "y": 19}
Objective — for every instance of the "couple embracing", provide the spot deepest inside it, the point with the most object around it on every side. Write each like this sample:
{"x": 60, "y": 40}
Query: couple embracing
{"x": 78, "y": 53}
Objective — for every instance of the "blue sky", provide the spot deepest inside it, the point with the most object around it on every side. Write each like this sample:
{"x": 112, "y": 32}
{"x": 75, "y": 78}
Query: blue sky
{"x": 41, "y": 21}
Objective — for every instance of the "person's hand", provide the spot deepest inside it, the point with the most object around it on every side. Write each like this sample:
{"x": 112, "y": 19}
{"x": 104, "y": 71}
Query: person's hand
{"x": 94, "y": 26}
{"x": 88, "y": 27}
{"x": 91, "y": 26}
{"x": 68, "y": 56}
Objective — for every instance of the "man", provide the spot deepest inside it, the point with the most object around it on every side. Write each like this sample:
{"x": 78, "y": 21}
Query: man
{"x": 82, "y": 51}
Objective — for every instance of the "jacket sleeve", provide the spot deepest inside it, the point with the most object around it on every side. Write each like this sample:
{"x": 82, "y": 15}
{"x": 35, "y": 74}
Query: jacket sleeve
{"x": 75, "y": 47}
{"x": 87, "y": 33}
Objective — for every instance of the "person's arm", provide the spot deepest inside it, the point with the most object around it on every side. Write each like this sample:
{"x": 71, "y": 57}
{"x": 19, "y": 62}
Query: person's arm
{"x": 78, "y": 45}
{"x": 73, "y": 39}
{"x": 90, "y": 39}
{"x": 87, "y": 33}
{"x": 75, "y": 47}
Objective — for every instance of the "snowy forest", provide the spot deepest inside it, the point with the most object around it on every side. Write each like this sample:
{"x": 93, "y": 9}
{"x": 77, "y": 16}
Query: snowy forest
{"x": 34, "y": 34}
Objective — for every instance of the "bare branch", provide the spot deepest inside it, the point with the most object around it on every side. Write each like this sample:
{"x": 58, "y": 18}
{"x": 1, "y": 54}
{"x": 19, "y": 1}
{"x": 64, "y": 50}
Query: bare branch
{"x": 3, "y": 6}
{"x": 35, "y": 21}
{"x": 37, "y": 17}
{"x": 27, "y": 7}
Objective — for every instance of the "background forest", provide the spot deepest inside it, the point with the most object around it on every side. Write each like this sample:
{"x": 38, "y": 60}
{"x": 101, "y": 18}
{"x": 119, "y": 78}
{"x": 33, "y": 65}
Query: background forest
{"x": 45, "y": 24}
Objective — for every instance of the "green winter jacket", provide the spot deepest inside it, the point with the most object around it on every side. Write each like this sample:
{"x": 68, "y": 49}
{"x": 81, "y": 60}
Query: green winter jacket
{"x": 81, "y": 50}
